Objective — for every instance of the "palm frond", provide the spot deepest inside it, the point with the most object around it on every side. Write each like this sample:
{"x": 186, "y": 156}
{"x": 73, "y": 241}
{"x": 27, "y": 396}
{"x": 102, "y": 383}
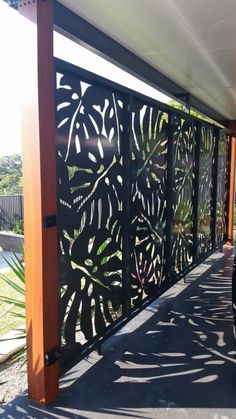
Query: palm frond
{"x": 16, "y": 306}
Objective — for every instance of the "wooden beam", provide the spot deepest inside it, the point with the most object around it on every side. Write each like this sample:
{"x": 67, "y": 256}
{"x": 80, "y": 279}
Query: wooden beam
{"x": 39, "y": 179}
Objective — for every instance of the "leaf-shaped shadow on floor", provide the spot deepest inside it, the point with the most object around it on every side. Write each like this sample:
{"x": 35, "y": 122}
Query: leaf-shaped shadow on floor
{"x": 182, "y": 357}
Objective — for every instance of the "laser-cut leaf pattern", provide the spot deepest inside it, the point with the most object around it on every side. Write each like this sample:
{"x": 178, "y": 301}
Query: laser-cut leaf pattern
{"x": 182, "y": 236}
{"x": 148, "y": 171}
{"x": 207, "y": 146}
{"x": 90, "y": 181}
{"x": 90, "y": 121}
{"x": 222, "y": 190}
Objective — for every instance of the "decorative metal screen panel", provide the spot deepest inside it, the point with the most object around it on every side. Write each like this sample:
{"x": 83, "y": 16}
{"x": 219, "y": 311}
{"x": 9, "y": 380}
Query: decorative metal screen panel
{"x": 148, "y": 201}
{"x": 221, "y": 189}
{"x": 227, "y": 183}
{"x": 90, "y": 200}
{"x": 207, "y": 146}
{"x": 183, "y": 177}
{"x": 129, "y": 224}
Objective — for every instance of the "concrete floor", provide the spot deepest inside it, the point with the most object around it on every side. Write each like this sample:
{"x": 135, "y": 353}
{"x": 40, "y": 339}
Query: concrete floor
{"x": 176, "y": 359}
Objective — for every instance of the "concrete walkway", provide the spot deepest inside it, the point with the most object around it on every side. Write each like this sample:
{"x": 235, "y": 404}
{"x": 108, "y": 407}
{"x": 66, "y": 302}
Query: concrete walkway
{"x": 175, "y": 360}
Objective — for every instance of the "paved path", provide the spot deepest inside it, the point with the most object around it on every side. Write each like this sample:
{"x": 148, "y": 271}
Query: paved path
{"x": 175, "y": 360}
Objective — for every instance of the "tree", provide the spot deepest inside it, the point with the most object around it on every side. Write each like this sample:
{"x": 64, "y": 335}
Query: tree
{"x": 11, "y": 175}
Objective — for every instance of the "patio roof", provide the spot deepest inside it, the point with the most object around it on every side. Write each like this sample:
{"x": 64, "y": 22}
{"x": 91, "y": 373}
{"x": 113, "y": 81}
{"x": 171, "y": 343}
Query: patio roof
{"x": 136, "y": 179}
{"x": 183, "y": 47}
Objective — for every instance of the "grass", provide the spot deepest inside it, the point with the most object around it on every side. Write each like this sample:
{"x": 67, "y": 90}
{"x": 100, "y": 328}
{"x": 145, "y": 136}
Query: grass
{"x": 8, "y": 321}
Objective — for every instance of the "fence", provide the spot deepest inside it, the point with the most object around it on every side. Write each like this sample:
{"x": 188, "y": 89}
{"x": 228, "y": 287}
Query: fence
{"x": 142, "y": 198}
{"x": 11, "y": 211}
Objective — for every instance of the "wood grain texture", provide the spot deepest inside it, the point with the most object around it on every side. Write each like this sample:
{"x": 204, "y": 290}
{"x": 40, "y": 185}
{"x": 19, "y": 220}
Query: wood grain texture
{"x": 39, "y": 177}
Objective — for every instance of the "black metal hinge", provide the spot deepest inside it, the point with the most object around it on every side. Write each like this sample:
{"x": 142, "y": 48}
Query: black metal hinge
{"x": 52, "y": 356}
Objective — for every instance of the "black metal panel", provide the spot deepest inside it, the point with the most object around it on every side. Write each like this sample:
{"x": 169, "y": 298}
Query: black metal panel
{"x": 214, "y": 188}
{"x": 207, "y": 147}
{"x": 148, "y": 178}
{"x": 227, "y": 184}
{"x": 221, "y": 189}
{"x": 89, "y": 122}
{"x": 135, "y": 203}
{"x": 196, "y": 190}
{"x": 126, "y": 216}
{"x": 169, "y": 265}
{"x": 182, "y": 235}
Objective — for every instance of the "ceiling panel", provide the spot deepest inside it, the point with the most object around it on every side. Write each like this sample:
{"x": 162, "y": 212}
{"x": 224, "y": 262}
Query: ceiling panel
{"x": 192, "y": 42}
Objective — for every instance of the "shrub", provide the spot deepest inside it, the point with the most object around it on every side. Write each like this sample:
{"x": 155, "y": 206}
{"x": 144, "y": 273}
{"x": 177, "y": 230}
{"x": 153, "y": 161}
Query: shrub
{"x": 19, "y": 227}
{"x": 16, "y": 305}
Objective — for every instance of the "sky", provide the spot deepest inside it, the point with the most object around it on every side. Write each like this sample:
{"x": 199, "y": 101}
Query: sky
{"x": 13, "y": 28}
{"x": 9, "y": 82}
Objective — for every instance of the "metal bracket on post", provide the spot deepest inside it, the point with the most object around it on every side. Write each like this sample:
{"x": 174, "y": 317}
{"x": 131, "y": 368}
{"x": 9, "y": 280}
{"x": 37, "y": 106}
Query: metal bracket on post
{"x": 50, "y": 221}
{"x": 52, "y": 356}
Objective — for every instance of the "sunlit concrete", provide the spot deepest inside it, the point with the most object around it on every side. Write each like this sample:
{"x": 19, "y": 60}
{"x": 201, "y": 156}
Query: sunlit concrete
{"x": 176, "y": 359}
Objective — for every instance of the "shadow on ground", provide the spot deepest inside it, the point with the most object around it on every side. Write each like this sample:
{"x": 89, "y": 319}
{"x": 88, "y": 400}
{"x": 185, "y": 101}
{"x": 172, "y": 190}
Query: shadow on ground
{"x": 181, "y": 358}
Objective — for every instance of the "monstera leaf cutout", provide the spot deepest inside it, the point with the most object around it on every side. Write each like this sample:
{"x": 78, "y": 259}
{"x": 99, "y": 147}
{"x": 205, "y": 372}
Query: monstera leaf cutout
{"x": 148, "y": 198}
{"x": 182, "y": 240}
{"x": 95, "y": 284}
{"x": 90, "y": 181}
{"x": 205, "y": 190}
{"x": 85, "y": 111}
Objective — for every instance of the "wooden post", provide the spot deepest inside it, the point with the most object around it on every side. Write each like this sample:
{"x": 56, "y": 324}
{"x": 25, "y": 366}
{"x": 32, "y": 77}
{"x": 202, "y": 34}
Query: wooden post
{"x": 231, "y": 193}
{"x": 39, "y": 178}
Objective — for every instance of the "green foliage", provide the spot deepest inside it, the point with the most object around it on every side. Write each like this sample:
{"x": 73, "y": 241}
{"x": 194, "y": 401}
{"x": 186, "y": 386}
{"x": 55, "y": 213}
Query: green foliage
{"x": 177, "y": 105}
{"x": 183, "y": 213}
{"x": 19, "y": 227}
{"x": 182, "y": 107}
{"x": 11, "y": 175}
{"x": 7, "y": 320}
{"x": 13, "y": 299}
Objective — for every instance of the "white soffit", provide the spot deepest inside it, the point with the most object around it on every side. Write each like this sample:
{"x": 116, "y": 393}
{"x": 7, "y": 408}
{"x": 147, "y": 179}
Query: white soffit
{"x": 193, "y": 42}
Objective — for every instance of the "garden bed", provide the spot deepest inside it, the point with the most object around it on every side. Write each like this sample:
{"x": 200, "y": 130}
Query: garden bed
{"x": 13, "y": 379}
